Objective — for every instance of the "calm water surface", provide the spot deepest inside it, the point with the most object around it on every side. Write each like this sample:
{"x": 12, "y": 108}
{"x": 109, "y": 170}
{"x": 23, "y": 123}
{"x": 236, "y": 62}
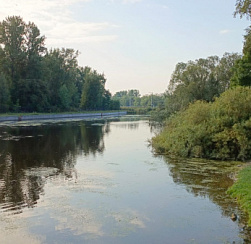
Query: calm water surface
{"x": 99, "y": 182}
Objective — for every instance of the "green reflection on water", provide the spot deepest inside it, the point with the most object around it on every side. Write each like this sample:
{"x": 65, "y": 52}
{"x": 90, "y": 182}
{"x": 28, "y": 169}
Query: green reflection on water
{"x": 45, "y": 166}
{"x": 47, "y": 147}
{"x": 209, "y": 178}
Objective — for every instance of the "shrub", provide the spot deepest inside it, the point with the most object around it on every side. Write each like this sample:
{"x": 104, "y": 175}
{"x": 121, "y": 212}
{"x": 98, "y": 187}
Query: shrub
{"x": 219, "y": 130}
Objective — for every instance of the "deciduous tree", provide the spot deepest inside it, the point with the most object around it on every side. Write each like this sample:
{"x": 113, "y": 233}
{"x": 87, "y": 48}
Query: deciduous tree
{"x": 243, "y": 8}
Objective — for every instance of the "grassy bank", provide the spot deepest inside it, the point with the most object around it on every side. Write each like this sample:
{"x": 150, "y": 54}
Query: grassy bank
{"x": 241, "y": 190}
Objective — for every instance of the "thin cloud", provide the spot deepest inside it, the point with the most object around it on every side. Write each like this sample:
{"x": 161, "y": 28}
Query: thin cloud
{"x": 56, "y": 21}
{"x": 76, "y": 32}
{"x": 224, "y": 32}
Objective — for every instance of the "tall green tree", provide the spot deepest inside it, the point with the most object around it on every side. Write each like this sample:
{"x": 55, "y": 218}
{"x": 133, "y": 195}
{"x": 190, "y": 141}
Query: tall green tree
{"x": 225, "y": 70}
{"x": 241, "y": 75}
{"x": 35, "y": 49}
{"x": 64, "y": 96}
{"x": 62, "y": 75}
{"x": 32, "y": 95}
{"x": 93, "y": 90}
{"x": 4, "y": 94}
{"x": 12, "y": 39}
{"x": 21, "y": 52}
{"x": 202, "y": 79}
{"x": 106, "y": 100}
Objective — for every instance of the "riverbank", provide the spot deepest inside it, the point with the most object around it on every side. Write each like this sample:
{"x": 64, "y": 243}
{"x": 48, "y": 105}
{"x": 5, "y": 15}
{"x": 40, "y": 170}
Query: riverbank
{"x": 241, "y": 190}
{"x": 20, "y": 117}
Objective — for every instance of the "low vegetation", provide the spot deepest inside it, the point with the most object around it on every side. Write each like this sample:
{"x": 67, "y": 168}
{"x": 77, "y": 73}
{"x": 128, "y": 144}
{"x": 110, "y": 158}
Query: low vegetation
{"x": 241, "y": 190}
{"x": 216, "y": 130}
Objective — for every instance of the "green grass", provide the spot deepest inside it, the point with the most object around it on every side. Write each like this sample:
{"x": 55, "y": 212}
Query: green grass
{"x": 241, "y": 190}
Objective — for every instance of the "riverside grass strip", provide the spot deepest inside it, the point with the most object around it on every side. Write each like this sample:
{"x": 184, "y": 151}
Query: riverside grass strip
{"x": 241, "y": 190}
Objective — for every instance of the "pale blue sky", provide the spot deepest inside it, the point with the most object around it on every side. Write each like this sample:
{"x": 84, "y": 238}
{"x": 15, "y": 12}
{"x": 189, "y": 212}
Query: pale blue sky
{"x": 136, "y": 43}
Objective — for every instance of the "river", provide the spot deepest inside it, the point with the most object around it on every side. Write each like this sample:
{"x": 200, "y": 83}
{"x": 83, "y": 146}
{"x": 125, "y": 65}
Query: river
{"x": 99, "y": 182}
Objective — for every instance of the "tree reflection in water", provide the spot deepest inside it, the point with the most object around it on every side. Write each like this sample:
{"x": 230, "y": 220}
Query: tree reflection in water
{"x": 31, "y": 154}
{"x": 208, "y": 178}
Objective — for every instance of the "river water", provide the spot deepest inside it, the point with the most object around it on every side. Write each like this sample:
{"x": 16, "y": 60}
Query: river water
{"x": 99, "y": 182}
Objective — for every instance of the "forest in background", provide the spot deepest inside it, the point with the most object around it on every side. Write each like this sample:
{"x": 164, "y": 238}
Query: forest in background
{"x": 34, "y": 79}
{"x": 132, "y": 98}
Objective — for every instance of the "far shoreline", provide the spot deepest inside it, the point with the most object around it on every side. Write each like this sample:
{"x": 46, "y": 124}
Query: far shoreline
{"x": 26, "y": 117}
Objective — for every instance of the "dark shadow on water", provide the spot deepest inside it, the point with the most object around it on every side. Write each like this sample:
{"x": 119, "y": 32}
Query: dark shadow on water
{"x": 31, "y": 154}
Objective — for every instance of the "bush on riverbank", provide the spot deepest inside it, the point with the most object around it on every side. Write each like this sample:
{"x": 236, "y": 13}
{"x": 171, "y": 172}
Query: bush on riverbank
{"x": 241, "y": 190}
{"x": 217, "y": 130}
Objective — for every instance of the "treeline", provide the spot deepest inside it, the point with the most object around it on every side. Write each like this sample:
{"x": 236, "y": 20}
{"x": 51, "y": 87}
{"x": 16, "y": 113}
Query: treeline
{"x": 132, "y": 98}
{"x": 34, "y": 79}
{"x": 207, "y": 107}
{"x": 202, "y": 79}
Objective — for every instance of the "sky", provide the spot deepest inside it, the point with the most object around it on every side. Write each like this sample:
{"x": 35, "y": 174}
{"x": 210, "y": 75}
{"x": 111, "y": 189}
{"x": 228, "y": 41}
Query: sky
{"x": 135, "y": 43}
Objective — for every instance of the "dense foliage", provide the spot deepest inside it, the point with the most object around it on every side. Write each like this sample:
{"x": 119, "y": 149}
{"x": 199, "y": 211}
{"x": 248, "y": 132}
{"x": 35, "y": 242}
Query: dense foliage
{"x": 33, "y": 78}
{"x": 219, "y": 129}
{"x": 202, "y": 79}
{"x": 241, "y": 71}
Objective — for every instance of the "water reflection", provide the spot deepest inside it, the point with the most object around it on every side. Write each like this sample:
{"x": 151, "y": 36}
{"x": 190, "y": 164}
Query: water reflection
{"x": 97, "y": 182}
{"x": 209, "y": 179}
{"x": 29, "y": 155}
{"x": 130, "y": 126}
